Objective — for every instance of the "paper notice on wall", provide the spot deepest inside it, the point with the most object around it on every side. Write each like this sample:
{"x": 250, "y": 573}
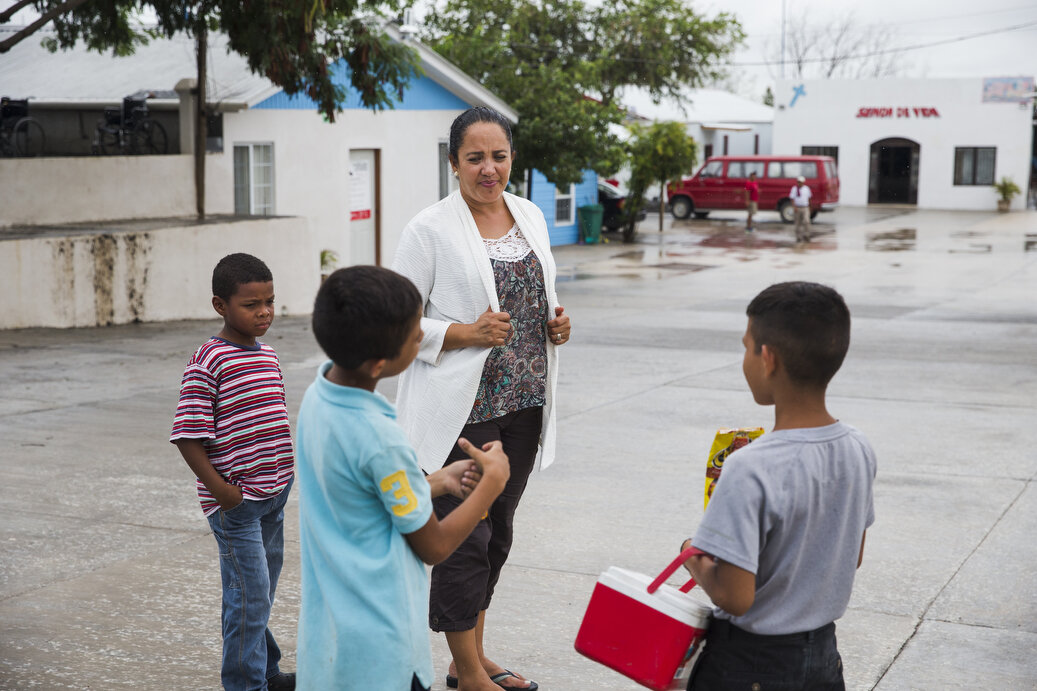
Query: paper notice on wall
{"x": 361, "y": 191}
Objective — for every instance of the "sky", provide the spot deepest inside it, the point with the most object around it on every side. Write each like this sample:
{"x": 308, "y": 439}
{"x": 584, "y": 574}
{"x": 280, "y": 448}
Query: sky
{"x": 913, "y": 22}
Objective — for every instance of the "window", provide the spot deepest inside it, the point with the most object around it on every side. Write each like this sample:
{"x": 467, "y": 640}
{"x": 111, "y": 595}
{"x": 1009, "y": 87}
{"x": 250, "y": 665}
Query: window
{"x": 725, "y": 145}
{"x": 214, "y": 132}
{"x": 564, "y": 206}
{"x": 447, "y": 182}
{"x": 254, "y": 179}
{"x": 708, "y": 151}
{"x": 974, "y": 165}
{"x": 742, "y": 169}
{"x": 832, "y": 151}
{"x": 806, "y": 169}
{"x": 792, "y": 169}
{"x": 713, "y": 169}
{"x": 756, "y": 143}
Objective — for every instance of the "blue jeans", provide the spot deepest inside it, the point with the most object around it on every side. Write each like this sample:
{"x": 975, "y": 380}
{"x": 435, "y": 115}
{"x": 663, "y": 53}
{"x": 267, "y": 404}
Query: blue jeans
{"x": 251, "y": 541}
{"x": 735, "y": 660}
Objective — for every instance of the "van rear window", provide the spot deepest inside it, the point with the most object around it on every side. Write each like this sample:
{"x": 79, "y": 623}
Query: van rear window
{"x": 792, "y": 169}
{"x": 830, "y": 169}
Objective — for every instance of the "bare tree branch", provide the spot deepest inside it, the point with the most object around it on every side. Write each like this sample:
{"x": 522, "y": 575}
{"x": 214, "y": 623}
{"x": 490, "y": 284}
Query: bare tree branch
{"x": 6, "y": 15}
{"x": 18, "y": 37}
{"x": 841, "y": 47}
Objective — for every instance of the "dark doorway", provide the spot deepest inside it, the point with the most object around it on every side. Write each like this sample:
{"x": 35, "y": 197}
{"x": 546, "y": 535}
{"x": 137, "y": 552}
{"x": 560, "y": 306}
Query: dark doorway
{"x": 894, "y": 172}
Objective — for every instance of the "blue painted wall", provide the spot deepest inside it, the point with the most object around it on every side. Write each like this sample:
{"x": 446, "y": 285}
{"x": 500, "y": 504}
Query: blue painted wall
{"x": 585, "y": 192}
{"x": 421, "y": 93}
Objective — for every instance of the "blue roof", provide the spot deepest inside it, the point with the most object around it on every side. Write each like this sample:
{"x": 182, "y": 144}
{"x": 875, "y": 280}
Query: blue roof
{"x": 421, "y": 93}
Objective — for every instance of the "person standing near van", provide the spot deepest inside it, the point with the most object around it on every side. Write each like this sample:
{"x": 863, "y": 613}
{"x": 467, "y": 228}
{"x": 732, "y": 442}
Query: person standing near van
{"x": 800, "y": 196}
{"x": 752, "y": 200}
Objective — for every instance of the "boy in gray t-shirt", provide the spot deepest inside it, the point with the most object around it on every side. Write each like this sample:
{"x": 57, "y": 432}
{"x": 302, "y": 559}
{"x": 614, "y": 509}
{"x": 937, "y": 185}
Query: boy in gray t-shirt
{"x": 784, "y": 530}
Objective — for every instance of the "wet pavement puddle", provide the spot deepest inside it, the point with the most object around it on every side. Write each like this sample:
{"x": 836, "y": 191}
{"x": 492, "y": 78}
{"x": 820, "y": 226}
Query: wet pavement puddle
{"x": 892, "y": 241}
{"x": 970, "y": 247}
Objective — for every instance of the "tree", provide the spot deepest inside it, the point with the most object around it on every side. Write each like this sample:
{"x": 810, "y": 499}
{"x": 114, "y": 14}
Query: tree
{"x": 660, "y": 45}
{"x": 840, "y": 48}
{"x": 529, "y": 55}
{"x": 293, "y": 43}
{"x": 659, "y": 152}
{"x": 562, "y": 64}
{"x": 768, "y": 97}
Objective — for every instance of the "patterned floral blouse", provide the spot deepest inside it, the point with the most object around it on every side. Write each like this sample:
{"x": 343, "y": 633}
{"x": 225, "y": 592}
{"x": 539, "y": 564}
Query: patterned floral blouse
{"x": 515, "y": 375}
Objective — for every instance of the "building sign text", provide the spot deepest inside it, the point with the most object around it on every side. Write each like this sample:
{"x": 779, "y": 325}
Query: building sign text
{"x": 897, "y": 113}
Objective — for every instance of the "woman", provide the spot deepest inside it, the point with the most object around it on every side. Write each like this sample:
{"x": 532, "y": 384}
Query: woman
{"x": 486, "y": 369}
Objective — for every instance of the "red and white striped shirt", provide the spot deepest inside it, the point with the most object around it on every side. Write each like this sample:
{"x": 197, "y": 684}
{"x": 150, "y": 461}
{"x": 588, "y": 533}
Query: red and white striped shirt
{"x": 232, "y": 398}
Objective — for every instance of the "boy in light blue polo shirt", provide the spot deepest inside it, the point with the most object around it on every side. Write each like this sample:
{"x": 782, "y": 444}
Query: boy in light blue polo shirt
{"x": 365, "y": 509}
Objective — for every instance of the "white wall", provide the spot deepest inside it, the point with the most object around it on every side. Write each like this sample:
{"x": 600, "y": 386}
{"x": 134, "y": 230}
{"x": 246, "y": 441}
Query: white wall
{"x": 826, "y": 115}
{"x": 738, "y": 143}
{"x": 43, "y": 191}
{"x": 311, "y": 165}
{"x": 145, "y": 271}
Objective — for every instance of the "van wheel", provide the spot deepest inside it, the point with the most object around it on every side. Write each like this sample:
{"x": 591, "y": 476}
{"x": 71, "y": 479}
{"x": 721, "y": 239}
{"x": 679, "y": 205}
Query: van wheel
{"x": 681, "y": 207}
{"x": 788, "y": 214}
{"x": 701, "y": 214}
{"x": 813, "y": 214}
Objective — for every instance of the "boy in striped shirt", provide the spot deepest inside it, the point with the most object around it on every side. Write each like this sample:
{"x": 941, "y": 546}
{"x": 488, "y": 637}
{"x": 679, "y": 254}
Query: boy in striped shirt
{"x": 231, "y": 426}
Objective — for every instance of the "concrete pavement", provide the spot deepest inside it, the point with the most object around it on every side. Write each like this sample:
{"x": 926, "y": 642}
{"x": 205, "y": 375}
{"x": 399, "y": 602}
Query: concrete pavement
{"x": 109, "y": 578}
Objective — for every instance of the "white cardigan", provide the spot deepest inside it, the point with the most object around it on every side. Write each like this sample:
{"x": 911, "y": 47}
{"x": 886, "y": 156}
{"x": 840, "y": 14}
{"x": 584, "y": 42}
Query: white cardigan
{"x": 442, "y": 252}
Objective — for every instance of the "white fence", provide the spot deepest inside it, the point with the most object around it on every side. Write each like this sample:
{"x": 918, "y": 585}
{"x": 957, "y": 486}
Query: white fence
{"x": 146, "y": 270}
{"x": 42, "y": 191}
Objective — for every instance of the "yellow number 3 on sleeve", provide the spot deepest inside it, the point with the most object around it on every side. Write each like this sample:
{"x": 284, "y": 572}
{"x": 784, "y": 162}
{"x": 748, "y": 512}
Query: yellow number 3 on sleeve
{"x": 399, "y": 481}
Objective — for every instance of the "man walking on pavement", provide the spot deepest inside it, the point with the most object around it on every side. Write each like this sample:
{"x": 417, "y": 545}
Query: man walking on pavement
{"x": 800, "y": 196}
{"x": 752, "y": 199}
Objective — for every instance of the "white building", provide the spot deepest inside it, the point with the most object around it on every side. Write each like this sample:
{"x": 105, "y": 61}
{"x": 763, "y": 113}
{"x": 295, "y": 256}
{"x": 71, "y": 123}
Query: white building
{"x": 721, "y": 122}
{"x": 357, "y": 181}
{"x": 91, "y": 240}
{"x": 934, "y": 143}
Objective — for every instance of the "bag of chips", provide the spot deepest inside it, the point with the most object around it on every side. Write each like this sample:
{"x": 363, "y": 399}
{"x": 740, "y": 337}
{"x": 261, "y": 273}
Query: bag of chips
{"x": 726, "y": 442}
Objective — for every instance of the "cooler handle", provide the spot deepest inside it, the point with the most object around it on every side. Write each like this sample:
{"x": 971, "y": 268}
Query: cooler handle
{"x": 674, "y": 565}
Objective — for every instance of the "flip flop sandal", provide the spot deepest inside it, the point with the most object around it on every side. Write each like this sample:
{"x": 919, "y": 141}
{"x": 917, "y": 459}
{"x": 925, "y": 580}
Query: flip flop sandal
{"x": 498, "y": 678}
{"x": 451, "y": 681}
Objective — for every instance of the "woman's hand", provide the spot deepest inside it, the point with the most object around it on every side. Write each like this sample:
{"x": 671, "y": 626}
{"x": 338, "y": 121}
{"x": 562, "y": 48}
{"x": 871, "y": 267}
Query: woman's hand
{"x": 559, "y": 328}
{"x": 491, "y": 329}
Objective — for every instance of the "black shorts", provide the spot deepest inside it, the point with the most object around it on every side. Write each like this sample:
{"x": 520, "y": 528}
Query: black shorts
{"x": 735, "y": 659}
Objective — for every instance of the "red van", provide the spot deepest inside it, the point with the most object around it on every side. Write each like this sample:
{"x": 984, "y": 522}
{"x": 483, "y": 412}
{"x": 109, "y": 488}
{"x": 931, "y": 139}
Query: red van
{"x": 720, "y": 184}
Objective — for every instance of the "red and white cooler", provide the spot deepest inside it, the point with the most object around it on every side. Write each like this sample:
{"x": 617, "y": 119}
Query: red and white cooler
{"x": 644, "y": 629}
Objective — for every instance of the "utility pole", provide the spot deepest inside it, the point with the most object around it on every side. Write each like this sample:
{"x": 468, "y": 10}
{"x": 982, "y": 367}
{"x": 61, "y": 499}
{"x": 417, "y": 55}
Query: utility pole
{"x": 200, "y": 124}
{"x": 782, "y": 39}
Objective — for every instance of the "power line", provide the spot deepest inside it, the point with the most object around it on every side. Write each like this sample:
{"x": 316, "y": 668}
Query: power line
{"x": 902, "y": 49}
{"x": 918, "y": 46}
{"x": 925, "y": 20}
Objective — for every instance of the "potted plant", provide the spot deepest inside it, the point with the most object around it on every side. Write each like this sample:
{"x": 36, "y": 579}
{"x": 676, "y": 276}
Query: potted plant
{"x": 1007, "y": 189}
{"x": 328, "y": 262}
